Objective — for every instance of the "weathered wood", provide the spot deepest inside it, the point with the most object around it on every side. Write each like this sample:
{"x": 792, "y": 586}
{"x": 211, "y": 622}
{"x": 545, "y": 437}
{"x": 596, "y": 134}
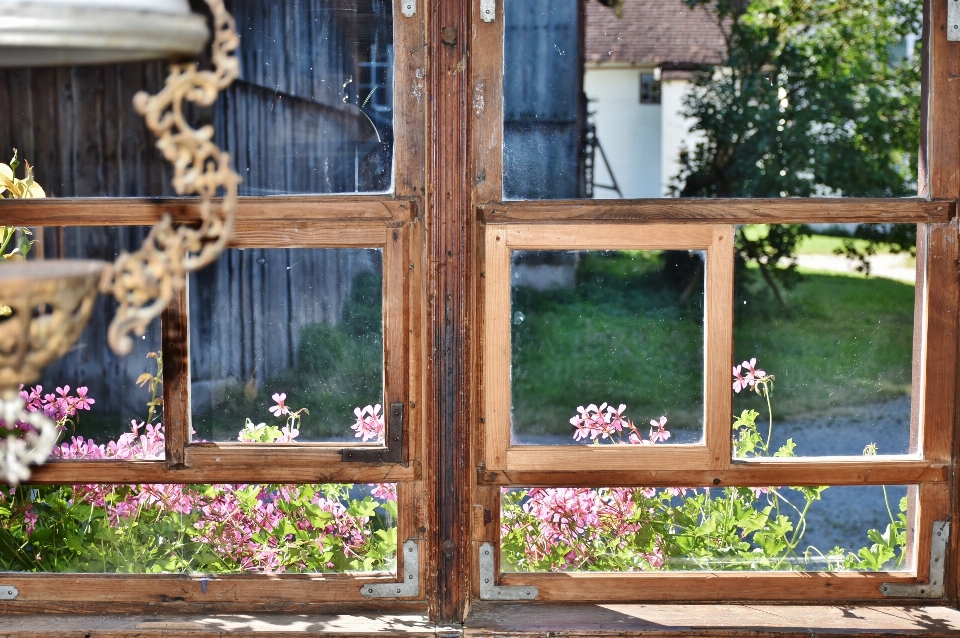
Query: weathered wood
{"x": 176, "y": 378}
{"x": 449, "y": 250}
{"x": 278, "y": 209}
{"x": 402, "y": 622}
{"x": 723, "y": 211}
{"x": 882, "y": 470}
{"x": 718, "y": 342}
{"x": 270, "y": 464}
{"x": 730, "y": 621}
{"x": 712, "y": 587}
{"x": 410, "y": 97}
{"x": 486, "y": 102}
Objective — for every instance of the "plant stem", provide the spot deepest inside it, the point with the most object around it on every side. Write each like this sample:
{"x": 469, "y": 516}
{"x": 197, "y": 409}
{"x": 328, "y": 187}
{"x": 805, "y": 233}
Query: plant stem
{"x": 766, "y": 394}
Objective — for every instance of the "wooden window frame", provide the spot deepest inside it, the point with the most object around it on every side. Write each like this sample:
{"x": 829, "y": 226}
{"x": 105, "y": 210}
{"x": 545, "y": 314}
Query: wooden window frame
{"x": 392, "y": 222}
{"x": 716, "y": 241}
{"x": 935, "y": 360}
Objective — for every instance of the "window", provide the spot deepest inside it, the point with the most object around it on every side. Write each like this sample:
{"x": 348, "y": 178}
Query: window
{"x": 414, "y": 233}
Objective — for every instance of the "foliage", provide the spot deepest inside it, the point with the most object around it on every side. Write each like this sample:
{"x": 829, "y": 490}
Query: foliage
{"x": 815, "y": 97}
{"x": 191, "y": 528}
{"x": 678, "y": 528}
{"x": 13, "y": 187}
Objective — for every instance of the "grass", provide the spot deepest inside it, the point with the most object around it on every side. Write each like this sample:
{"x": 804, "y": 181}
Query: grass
{"x": 623, "y": 335}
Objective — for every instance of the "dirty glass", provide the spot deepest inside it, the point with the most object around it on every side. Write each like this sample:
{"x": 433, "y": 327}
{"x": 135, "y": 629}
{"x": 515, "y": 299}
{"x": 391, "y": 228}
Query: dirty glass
{"x": 312, "y": 111}
{"x": 832, "y": 328}
{"x": 710, "y": 99}
{"x": 92, "y": 392}
{"x": 287, "y": 345}
{"x": 803, "y": 529}
{"x": 603, "y": 343}
{"x": 212, "y": 529}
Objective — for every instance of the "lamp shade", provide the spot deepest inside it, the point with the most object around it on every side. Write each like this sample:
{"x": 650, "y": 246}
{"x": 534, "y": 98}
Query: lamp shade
{"x": 69, "y": 32}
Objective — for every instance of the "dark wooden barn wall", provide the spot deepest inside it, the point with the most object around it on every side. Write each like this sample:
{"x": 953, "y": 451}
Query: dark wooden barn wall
{"x": 543, "y": 99}
{"x": 292, "y": 125}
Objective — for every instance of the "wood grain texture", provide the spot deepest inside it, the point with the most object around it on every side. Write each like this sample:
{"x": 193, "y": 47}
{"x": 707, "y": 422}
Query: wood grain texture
{"x": 729, "y": 621}
{"x": 486, "y": 104}
{"x": 707, "y": 586}
{"x": 400, "y": 623}
{"x": 409, "y": 102}
{"x": 718, "y": 341}
{"x": 496, "y": 348}
{"x": 939, "y": 165}
{"x": 721, "y": 211}
{"x": 176, "y": 378}
{"x": 128, "y": 211}
{"x": 268, "y": 465}
{"x": 795, "y": 472}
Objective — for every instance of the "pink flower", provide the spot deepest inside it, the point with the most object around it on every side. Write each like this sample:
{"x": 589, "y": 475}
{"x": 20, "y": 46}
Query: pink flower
{"x": 616, "y": 419}
{"x": 751, "y": 367}
{"x": 279, "y": 408}
{"x": 593, "y": 423}
{"x": 659, "y": 432}
{"x": 83, "y": 401}
{"x": 369, "y": 425}
{"x": 740, "y": 382}
{"x": 384, "y": 491}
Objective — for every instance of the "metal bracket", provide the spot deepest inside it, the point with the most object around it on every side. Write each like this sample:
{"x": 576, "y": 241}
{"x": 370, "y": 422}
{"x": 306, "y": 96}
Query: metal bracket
{"x": 8, "y": 592}
{"x": 491, "y": 591}
{"x": 408, "y": 7}
{"x": 393, "y": 453}
{"x": 409, "y": 588}
{"x": 953, "y": 20}
{"x": 938, "y": 553}
{"x": 488, "y": 9}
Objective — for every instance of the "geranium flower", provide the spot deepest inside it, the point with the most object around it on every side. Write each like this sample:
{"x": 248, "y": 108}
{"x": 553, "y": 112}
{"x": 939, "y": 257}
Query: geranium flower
{"x": 739, "y": 381}
{"x": 279, "y": 408}
{"x": 370, "y": 424}
{"x": 83, "y": 402}
{"x": 658, "y": 431}
{"x": 752, "y": 371}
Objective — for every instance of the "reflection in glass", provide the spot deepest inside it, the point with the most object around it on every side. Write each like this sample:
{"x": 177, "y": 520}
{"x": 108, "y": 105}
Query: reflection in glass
{"x": 90, "y": 368}
{"x": 304, "y": 323}
{"x": 839, "y": 342}
{"x": 312, "y": 111}
{"x": 614, "y": 327}
{"x": 862, "y": 528}
{"x": 213, "y": 529}
{"x": 710, "y": 99}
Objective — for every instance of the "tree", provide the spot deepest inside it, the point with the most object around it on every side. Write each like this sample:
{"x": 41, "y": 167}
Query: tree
{"x": 815, "y": 98}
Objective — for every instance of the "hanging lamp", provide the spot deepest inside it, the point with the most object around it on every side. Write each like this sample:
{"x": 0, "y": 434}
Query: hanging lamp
{"x": 49, "y": 301}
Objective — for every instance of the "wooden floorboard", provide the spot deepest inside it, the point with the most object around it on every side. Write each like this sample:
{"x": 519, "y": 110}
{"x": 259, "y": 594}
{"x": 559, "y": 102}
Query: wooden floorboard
{"x": 569, "y": 621}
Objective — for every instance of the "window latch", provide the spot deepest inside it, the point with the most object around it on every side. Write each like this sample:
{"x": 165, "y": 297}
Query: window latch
{"x": 938, "y": 554}
{"x": 392, "y": 453}
{"x": 489, "y": 590}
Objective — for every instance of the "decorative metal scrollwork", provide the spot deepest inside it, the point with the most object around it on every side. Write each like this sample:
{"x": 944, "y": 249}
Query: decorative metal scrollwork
{"x": 32, "y": 446}
{"x": 145, "y": 281}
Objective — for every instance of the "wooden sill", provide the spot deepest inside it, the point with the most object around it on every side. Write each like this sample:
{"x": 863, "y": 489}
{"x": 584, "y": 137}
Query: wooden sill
{"x": 501, "y": 619}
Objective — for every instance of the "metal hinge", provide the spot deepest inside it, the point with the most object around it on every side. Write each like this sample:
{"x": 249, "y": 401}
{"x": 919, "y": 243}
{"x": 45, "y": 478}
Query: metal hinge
{"x": 409, "y": 587}
{"x": 8, "y": 592}
{"x": 392, "y": 453}
{"x": 488, "y": 10}
{"x": 938, "y": 552}
{"x": 489, "y": 590}
{"x": 953, "y": 20}
{"x": 408, "y": 7}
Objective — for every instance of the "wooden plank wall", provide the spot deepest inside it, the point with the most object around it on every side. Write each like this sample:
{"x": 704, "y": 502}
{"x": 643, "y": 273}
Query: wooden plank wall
{"x": 247, "y": 310}
{"x": 292, "y": 124}
{"x": 542, "y": 97}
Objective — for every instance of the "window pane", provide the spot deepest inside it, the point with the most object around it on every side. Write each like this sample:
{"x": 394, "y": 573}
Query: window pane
{"x": 838, "y": 341}
{"x": 115, "y": 408}
{"x": 215, "y": 529}
{"x": 299, "y": 120}
{"x": 862, "y": 528}
{"x": 306, "y": 323}
{"x": 607, "y": 327}
{"x": 755, "y": 99}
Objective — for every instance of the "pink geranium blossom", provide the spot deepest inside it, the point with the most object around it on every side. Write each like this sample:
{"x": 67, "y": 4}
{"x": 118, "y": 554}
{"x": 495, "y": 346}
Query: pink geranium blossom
{"x": 369, "y": 425}
{"x": 279, "y": 408}
{"x": 658, "y": 431}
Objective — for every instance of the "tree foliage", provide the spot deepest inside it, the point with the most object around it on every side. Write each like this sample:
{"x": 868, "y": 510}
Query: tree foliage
{"x": 815, "y": 98}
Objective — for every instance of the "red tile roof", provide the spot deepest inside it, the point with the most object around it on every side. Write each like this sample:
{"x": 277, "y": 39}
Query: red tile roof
{"x": 665, "y": 33}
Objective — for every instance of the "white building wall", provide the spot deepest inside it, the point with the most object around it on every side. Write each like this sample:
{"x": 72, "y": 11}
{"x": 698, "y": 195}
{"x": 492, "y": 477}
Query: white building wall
{"x": 628, "y": 131}
{"x": 675, "y": 130}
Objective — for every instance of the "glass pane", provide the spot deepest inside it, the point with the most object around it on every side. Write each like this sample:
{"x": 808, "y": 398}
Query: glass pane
{"x": 835, "y": 342}
{"x": 312, "y": 111}
{"x": 863, "y": 528}
{"x": 288, "y": 338}
{"x": 214, "y": 529}
{"x": 603, "y": 342}
{"x": 710, "y": 99}
{"x": 92, "y": 392}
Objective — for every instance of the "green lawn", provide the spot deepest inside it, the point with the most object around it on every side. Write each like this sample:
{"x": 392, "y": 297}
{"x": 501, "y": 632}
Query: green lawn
{"x": 623, "y": 335}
